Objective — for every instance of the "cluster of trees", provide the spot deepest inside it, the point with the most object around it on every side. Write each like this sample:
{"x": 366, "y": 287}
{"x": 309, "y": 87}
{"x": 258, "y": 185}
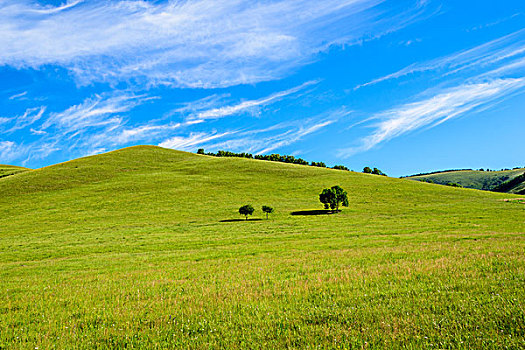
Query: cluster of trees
{"x": 506, "y": 169}
{"x": 375, "y": 171}
{"x": 248, "y": 209}
{"x": 225, "y": 154}
{"x": 270, "y": 157}
{"x": 334, "y": 197}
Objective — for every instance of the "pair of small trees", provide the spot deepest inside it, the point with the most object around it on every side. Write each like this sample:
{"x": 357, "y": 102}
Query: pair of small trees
{"x": 248, "y": 210}
{"x": 334, "y": 197}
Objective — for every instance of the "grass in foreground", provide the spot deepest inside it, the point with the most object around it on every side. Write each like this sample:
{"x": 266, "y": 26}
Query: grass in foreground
{"x": 127, "y": 249}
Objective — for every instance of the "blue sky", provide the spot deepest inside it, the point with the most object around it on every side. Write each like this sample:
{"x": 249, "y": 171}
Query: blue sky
{"x": 405, "y": 86}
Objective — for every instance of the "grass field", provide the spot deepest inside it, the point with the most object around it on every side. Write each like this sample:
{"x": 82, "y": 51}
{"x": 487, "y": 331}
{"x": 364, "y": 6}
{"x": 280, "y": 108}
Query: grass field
{"x": 481, "y": 180}
{"x": 7, "y": 170}
{"x": 127, "y": 250}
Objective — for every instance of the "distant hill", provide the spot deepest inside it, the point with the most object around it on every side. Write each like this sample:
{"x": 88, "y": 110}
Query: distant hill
{"x": 515, "y": 185}
{"x": 6, "y": 170}
{"x": 510, "y": 181}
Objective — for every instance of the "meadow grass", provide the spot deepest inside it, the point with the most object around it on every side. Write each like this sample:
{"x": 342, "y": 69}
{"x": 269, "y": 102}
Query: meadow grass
{"x": 8, "y": 170}
{"x": 127, "y": 250}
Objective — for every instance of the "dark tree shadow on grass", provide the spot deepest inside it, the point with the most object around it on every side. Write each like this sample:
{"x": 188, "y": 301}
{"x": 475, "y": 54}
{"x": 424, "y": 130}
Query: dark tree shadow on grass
{"x": 239, "y": 220}
{"x": 314, "y": 212}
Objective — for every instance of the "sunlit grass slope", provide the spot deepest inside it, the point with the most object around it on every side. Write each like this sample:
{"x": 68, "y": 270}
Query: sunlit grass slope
{"x": 127, "y": 249}
{"x": 7, "y": 170}
{"x": 481, "y": 180}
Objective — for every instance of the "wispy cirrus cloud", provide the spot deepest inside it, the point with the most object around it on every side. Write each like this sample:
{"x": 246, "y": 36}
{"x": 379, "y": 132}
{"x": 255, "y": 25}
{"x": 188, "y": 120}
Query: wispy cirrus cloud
{"x": 202, "y": 110}
{"x": 438, "y": 108}
{"x": 202, "y": 43}
{"x": 188, "y": 143}
{"x": 507, "y": 51}
{"x": 30, "y": 116}
{"x": 471, "y": 80}
{"x": 96, "y": 111}
{"x": 101, "y": 122}
{"x": 96, "y": 121}
{"x": 265, "y": 140}
{"x": 19, "y": 96}
{"x": 9, "y": 150}
{"x": 288, "y": 138}
{"x": 49, "y": 9}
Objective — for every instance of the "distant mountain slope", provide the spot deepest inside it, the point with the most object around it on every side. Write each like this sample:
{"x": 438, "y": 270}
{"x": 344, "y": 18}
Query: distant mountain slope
{"x": 515, "y": 185}
{"x": 477, "y": 179}
{"x": 6, "y": 170}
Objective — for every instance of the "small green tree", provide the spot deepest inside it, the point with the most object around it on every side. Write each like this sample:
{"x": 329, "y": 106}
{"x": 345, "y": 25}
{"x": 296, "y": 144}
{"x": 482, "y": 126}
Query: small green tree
{"x": 376, "y": 171}
{"x": 334, "y": 197}
{"x": 246, "y": 210}
{"x": 200, "y": 151}
{"x": 267, "y": 210}
{"x": 367, "y": 170}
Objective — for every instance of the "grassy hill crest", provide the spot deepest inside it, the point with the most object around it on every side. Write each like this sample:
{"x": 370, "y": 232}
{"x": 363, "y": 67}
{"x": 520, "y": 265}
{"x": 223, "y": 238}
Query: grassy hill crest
{"x": 8, "y": 170}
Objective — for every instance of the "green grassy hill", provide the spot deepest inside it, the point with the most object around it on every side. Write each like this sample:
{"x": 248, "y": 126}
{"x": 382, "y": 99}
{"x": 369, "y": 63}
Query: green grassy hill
{"x": 138, "y": 248}
{"x": 481, "y": 180}
{"x": 7, "y": 170}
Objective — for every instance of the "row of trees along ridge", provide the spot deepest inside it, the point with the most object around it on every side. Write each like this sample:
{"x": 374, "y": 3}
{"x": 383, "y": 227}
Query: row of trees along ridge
{"x": 283, "y": 159}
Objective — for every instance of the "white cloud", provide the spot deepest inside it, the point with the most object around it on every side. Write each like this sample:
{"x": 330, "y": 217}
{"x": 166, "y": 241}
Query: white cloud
{"x": 9, "y": 151}
{"x": 279, "y": 135}
{"x": 201, "y": 43}
{"x": 143, "y": 132}
{"x": 49, "y": 9}
{"x": 95, "y": 112}
{"x": 292, "y": 137}
{"x": 30, "y": 116}
{"x": 505, "y": 50}
{"x": 429, "y": 112}
{"x": 19, "y": 96}
{"x": 246, "y": 106}
{"x": 39, "y": 150}
{"x": 95, "y": 151}
{"x": 37, "y": 132}
{"x": 194, "y": 139}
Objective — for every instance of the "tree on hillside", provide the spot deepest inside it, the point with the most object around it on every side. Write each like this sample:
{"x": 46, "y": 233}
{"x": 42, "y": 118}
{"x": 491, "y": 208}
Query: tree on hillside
{"x": 246, "y": 210}
{"x": 376, "y": 171}
{"x": 334, "y": 197}
{"x": 200, "y": 151}
{"x": 367, "y": 170}
{"x": 267, "y": 210}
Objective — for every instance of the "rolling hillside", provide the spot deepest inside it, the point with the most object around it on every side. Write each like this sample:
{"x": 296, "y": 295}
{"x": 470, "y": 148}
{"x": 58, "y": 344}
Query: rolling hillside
{"x": 7, "y": 170}
{"x": 481, "y": 180}
{"x": 141, "y": 248}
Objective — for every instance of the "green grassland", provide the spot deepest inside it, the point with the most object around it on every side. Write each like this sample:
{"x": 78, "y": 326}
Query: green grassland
{"x": 130, "y": 249}
{"x": 481, "y": 180}
{"x": 7, "y": 170}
